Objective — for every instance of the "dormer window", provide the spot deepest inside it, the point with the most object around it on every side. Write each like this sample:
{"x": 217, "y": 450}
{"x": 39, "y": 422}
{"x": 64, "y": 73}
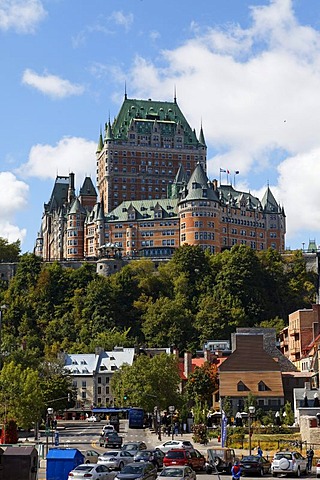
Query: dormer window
{"x": 241, "y": 387}
{"x": 262, "y": 387}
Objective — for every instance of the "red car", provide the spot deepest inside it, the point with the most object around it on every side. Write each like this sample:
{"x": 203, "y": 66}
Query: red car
{"x": 180, "y": 456}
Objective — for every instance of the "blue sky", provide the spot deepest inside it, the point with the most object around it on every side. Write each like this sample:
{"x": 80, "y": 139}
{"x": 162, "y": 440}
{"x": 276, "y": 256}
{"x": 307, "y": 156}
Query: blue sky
{"x": 248, "y": 70}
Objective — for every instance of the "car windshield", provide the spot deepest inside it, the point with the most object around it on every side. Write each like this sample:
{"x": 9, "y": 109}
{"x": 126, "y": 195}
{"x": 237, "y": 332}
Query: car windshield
{"x": 217, "y": 453}
{"x": 251, "y": 458}
{"x": 278, "y": 456}
{"x": 110, "y": 454}
{"x": 144, "y": 454}
{"x": 84, "y": 468}
{"x": 130, "y": 446}
{"x": 172, "y": 454}
{"x": 172, "y": 472}
{"x": 132, "y": 469}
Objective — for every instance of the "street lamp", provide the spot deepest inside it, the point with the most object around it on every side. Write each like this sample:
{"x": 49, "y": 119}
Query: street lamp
{"x": 252, "y": 411}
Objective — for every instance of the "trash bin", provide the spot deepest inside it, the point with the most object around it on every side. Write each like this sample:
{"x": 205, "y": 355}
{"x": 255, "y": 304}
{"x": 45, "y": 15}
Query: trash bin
{"x": 19, "y": 463}
{"x": 60, "y": 461}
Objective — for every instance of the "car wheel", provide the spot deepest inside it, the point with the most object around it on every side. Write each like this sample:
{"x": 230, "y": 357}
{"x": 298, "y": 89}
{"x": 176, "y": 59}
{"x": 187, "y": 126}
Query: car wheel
{"x": 208, "y": 469}
{"x": 120, "y": 465}
{"x": 217, "y": 461}
{"x": 87, "y": 461}
{"x": 274, "y": 475}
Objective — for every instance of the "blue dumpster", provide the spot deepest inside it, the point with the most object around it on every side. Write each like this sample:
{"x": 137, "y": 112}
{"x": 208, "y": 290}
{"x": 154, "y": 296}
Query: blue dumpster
{"x": 60, "y": 461}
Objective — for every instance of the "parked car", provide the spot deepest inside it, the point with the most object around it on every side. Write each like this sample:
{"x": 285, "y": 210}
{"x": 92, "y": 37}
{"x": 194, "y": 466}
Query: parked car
{"x": 138, "y": 471}
{"x": 166, "y": 446}
{"x": 318, "y": 468}
{"x": 92, "y": 471}
{"x": 177, "y": 473}
{"x": 254, "y": 465}
{"x": 181, "y": 456}
{"x": 92, "y": 418}
{"x": 220, "y": 459}
{"x": 90, "y": 456}
{"x": 115, "y": 460}
{"x": 134, "y": 447}
{"x": 110, "y": 440}
{"x": 154, "y": 456}
{"x": 287, "y": 462}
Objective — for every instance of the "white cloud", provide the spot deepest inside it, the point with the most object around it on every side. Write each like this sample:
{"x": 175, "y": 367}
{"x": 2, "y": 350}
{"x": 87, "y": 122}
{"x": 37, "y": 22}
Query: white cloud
{"x": 257, "y": 93}
{"x": 71, "y": 154}
{"x": 13, "y": 199}
{"x": 51, "y": 85}
{"x": 124, "y": 20}
{"x": 21, "y": 15}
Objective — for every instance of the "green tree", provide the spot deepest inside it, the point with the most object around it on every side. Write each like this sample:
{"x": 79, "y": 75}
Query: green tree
{"x": 20, "y": 394}
{"x": 149, "y": 382}
{"x": 202, "y": 383}
{"x": 9, "y": 252}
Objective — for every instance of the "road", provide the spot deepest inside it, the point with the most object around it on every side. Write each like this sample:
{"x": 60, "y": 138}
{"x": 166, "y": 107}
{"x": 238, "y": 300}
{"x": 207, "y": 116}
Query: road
{"x": 85, "y": 436}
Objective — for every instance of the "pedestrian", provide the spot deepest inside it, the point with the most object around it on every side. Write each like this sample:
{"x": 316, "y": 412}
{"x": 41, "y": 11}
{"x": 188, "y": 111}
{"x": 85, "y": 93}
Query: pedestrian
{"x": 236, "y": 471}
{"x": 260, "y": 452}
{"x": 310, "y": 454}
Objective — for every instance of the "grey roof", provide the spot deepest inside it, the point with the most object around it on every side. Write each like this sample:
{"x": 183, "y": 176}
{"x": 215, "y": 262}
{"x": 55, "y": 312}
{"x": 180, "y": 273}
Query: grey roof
{"x": 87, "y": 188}
{"x": 59, "y": 195}
{"x": 228, "y": 195}
{"x": 89, "y": 363}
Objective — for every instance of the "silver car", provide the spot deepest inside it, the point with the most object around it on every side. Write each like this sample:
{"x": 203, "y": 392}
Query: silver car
{"x": 115, "y": 459}
{"x": 183, "y": 472}
{"x": 289, "y": 463}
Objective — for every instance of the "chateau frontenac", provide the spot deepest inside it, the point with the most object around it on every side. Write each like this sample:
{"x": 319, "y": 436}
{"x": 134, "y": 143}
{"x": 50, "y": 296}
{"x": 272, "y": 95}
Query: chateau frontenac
{"x": 153, "y": 195}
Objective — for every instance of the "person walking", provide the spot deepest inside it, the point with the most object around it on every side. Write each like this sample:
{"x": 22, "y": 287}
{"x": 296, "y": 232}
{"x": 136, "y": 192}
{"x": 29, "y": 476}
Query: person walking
{"x": 260, "y": 452}
{"x": 236, "y": 471}
{"x": 310, "y": 454}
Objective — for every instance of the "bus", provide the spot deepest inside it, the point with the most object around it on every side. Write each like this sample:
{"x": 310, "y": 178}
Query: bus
{"x": 136, "y": 418}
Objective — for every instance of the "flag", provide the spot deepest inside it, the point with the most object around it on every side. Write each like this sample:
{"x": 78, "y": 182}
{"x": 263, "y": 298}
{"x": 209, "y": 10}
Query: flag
{"x": 236, "y": 172}
{"x": 224, "y": 422}
{"x": 222, "y": 170}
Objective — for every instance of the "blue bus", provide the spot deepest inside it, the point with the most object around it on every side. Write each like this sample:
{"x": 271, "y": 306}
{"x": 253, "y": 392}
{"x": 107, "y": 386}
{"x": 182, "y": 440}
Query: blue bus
{"x": 136, "y": 418}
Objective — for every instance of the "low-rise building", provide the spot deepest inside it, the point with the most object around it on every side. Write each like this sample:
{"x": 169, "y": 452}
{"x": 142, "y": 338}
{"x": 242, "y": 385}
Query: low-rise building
{"x": 91, "y": 376}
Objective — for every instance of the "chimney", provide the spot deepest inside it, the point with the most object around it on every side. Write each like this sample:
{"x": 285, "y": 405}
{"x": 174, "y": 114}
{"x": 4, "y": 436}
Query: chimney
{"x": 187, "y": 367}
{"x": 71, "y": 191}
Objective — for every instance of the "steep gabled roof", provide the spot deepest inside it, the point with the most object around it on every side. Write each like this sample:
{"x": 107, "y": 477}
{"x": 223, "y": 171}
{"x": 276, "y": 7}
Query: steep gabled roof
{"x": 145, "y": 113}
{"x": 59, "y": 195}
{"x": 199, "y": 186}
{"x": 269, "y": 203}
{"x": 87, "y": 188}
{"x": 249, "y": 356}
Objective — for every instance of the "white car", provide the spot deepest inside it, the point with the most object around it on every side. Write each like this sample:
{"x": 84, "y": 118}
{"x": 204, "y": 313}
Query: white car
{"x": 318, "y": 468}
{"x": 182, "y": 472}
{"x": 107, "y": 429}
{"x": 287, "y": 462}
{"x": 166, "y": 446}
{"x": 92, "y": 471}
{"x": 92, "y": 418}
{"x": 115, "y": 459}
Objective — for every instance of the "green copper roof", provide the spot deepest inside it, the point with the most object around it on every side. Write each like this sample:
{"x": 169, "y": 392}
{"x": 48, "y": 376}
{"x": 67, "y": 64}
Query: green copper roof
{"x": 100, "y": 143}
{"x": 145, "y": 113}
{"x": 269, "y": 203}
{"x": 145, "y": 209}
{"x": 201, "y": 137}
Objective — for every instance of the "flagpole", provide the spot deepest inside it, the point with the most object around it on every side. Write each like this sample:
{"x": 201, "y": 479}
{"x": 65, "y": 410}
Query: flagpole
{"x": 220, "y": 177}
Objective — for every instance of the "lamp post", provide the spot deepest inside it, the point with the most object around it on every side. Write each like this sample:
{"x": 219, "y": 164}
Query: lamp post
{"x": 252, "y": 411}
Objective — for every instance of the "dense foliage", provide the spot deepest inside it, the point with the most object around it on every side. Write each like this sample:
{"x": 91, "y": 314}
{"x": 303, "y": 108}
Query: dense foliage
{"x": 193, "y": 297}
